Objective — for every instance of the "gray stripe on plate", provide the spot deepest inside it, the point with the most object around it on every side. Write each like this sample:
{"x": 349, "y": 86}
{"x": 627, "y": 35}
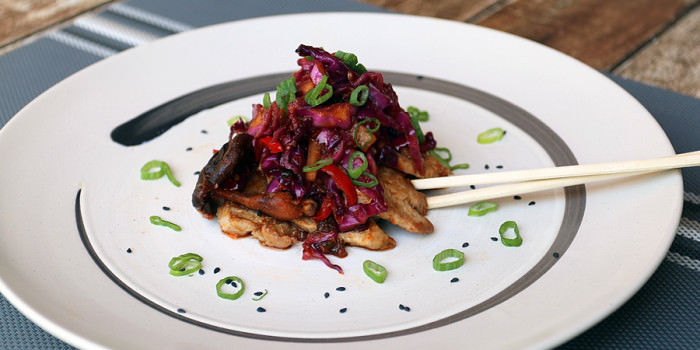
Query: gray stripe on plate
{"x": 81, "y": 44}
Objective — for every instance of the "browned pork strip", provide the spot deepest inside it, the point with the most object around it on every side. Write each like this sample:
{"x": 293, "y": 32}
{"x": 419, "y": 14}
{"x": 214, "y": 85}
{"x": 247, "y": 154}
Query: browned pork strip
{"x": 406, "y": 206}
{"x": 432, "y": 166}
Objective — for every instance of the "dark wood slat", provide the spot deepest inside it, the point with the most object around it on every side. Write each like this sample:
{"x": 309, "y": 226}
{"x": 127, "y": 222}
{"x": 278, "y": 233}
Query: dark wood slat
{"x": 601, "y": 33}
{"x": 459, "y": 10}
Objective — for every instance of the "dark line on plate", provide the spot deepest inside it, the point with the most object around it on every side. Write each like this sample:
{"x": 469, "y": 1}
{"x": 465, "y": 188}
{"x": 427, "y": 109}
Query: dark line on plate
{"x": 159, "y": 119}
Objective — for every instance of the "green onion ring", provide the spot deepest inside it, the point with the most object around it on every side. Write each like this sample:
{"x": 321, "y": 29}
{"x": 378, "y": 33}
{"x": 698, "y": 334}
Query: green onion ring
{"x": 421, "y": 116}
{"x": 359, "y": 95}
{"x": 314, "y": 97}
{"x": 260, "y": 297}
{"x": 286, "y": 93}
{"x": 148, "y": 172}
{"x": 236, "y": 119}
{"x": 371, "y": 131}
{"x": 490, "y": 135}
{"x": 266, "y": 100}
{"x": 156, "y": 220}
{"x": 482, "y": 208}
{"x": 230, "y": 296}
{"x": 353, "y": 171}
{"x": 510, "y": 242}
{"x": 185, "y": 264}
{"x": 374, "y": 271}
{"x": 444, "y": 161}
{"x": 318, "y": 165}
{"x": 459, "y": 166}
{"x": 372, "y": 183}
{"x": 439, "y": 263}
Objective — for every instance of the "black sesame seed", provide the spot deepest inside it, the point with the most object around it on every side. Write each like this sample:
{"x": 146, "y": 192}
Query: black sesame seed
{"x": 188, "y": 149}
{"x": 340, "y": 289}
{"x": 407, "y": 309}
{"x": 326, "y": 295}
{"x": 182, "y": 311}
{"x": 182, "y": 269}
{"x": 342, "y": 311}
{"x": 228, "y": 281}
{"x": 201, "y": 272}
{"x": 216, "y": 270}
{"x": 472, "y": 187}
{"x": 261, "y": 309}
{"x": 499, "y": 166}
{"x": 454, "y": 280}
{"x": 504, "y": 132}
{"x": 556, "y": 255}
{"x": 531, "y": 203}
{"x": 517, "y": 198}
{"x": 234, "y": 284}
{"x": 166, "y": 208}
{"x": 258, "y": 213}
{"x": 419, "y": 77}
{"x": 465, "y": 244}
{"x": 257, "y": 294}
{"x": 486, "y": 166}
{"x": 204, "y": 131}
{"x": 401, "y": 307}
{"x": 128, "y": 250}
{"x": 494, "y": 239}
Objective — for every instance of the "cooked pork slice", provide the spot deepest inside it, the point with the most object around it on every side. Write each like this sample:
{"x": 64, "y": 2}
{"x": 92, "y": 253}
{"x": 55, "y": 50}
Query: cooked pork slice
{"x": 239, "y": 221}
{"x": 432, "y": 166}
{"x": 406, "y": 206}
{"x": 373, "y": 238}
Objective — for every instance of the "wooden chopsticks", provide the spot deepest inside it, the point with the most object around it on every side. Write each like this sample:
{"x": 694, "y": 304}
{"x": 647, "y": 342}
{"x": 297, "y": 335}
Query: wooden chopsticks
{"x": 533, "y": 180}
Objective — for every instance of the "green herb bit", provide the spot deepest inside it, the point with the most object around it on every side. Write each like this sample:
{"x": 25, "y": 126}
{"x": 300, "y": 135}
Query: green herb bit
{"x": 359, "y": 96}
{"x": 156, "y": 220}
{"x": 482, "y": 208}
{"x": 266, "y": 100}
{"x": 236, "y": 119}
{"x": 318, "y": 165}
{"x": 417, "y": 128}
{"x": 444, "y": 160}
{"x": 286, "y": 93}
{"x": 421, "y": 116}
{"x": 448, "y": 259}
{"x": 517, "y": 241}
{"x": 155, "y": 169}
{"x": 490, "y": 136}
{"x": 314, "y": 97}
{"x": 261, "y": 296}
{"x": 372, "y": 180}
{"x": 374, "y": 271}
{"x": 230, "y": 280}
{"x": 351, "y": 61}
{"x": 185, "y": 264}
{"x": 356, "y": 171}
{"x": 459, "y": 166}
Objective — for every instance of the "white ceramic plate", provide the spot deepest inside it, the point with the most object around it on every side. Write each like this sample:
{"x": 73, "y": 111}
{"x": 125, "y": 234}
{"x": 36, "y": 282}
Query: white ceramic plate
{"x": 78, "y": 256}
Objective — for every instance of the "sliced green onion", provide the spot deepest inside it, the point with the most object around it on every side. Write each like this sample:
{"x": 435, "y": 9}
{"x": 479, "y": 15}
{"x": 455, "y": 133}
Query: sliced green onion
{"x": 155, "y": 169}
{"x": 351, "y": 61}
{"x": 235, "y": 120}
{"x": 482, "y": 208}
{"x": 260, "y": 297}
{"x": 490, "y": 135}
{"x": 459, "y": 166}
{"x": 369, "y": 130}
{"x": 448, "y": 259}
{"x": 286, "y": 93}
{"x": 359, "y": 95}
{"x": 445, "y": 161}
{"x": 229, "y": 280}
{"x": 373, "y": 180}
{"x": 185, "y": 264}
{"x": 417, "y": 128}
{"x": 421, "y": 116}
{"x": 156, "y": 220}
{"x": 510, "y": 242}
{"x": 353, "y": 171}
{"x": 318, "y": 165}
{"x": 374, "y": 271}
{"x": 266, "y": 100}
{"x": 314, "y": 98}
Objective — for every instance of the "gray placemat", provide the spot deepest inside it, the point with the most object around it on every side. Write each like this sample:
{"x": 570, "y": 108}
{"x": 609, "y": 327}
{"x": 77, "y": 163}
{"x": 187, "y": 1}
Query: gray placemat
{"x": 665, "y": 313}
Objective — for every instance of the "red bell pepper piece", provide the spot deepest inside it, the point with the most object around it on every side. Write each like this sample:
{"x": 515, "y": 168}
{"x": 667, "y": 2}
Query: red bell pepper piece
{"x": 273, "y": 145}
{"x": 342, "y": 180}
{"x": 324, "y": 211}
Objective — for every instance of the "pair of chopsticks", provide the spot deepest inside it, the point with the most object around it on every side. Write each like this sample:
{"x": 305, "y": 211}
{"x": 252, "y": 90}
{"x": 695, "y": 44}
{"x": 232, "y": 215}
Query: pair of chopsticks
{"x": 533, "y": 180}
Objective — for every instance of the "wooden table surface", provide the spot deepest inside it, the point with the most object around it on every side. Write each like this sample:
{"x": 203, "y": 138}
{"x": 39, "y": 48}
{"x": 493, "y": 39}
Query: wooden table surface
{"x": 653, "y": 41}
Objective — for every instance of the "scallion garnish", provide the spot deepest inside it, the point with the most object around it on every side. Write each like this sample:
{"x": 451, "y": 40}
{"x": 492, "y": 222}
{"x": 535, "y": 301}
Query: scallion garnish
{"x": 490, "y": 135}
{"x": 510, "y": 242}
{"x": 417, "y": 128}
{"x": 185, "y": 264}
{"x": 286, "y": 93}
{"x": 482, "y": 208}
{"x": 258, "y": 298}
{"x": 421, "y": 116}
{"x": 155, "y": 169}
{"x": 373, "y": 180}
{"x": 459, "y": 166}
{"x": 266, "y": 100}
{"x": 448, "y": 259}
{"x": 314, "y": 96}
{"x": 230, "y": 280}
{"x": 156, "y": 220}
{"x": 356, "y": 171}
{"x": 318, "y": 165}
{"x": 359, "y": 95}
{"x": 235, "y": 119}
{"x": 374, "y": 271}
{"x": 445, "y": 160}
{"x": 350, "y": 60}
{"x": 371, "y": 131}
